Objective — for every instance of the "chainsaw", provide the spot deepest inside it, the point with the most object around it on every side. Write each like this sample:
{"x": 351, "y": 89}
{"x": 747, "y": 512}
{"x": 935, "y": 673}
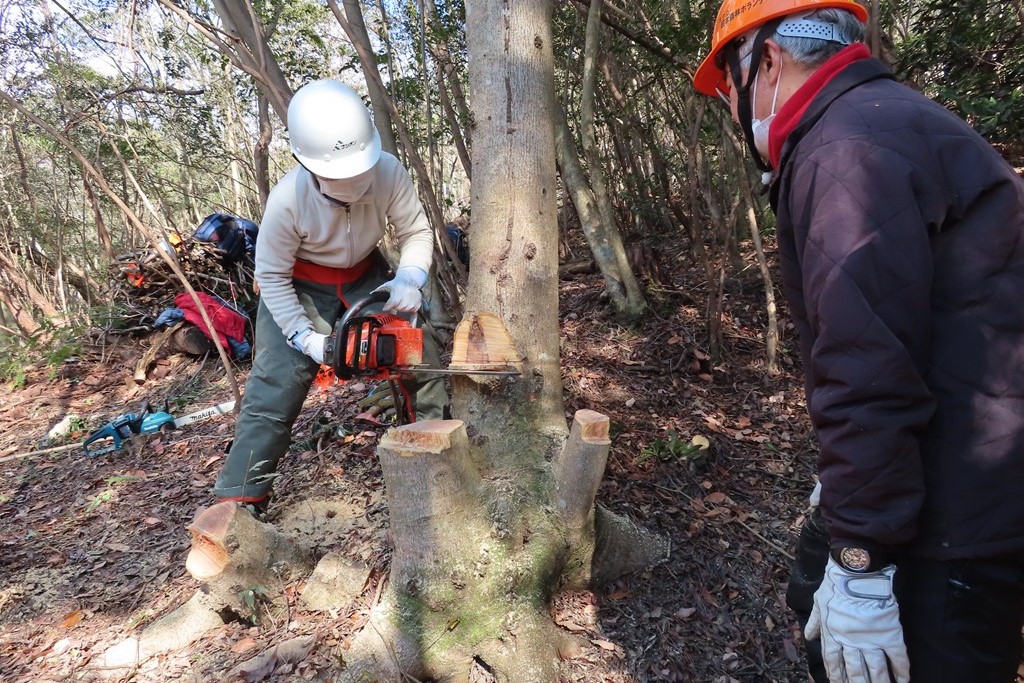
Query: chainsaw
{"x": 146, "y": 421}
{"x": 383, "y": 346}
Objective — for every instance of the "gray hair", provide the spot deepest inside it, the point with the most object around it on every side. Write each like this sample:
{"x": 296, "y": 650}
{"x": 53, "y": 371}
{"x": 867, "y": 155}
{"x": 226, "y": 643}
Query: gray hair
{"x": 813, "y": 52}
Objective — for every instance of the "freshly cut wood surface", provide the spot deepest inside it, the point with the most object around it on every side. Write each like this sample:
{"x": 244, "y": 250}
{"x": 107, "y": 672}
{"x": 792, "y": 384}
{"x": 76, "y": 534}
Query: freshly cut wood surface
{"x": 483, "y": 343}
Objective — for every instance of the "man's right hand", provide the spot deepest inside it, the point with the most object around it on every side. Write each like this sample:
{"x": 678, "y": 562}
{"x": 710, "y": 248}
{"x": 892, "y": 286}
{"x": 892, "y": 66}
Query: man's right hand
{"x": 310, "y": 343}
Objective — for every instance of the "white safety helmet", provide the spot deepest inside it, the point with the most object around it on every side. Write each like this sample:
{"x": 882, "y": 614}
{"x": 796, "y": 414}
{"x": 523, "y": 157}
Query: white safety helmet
{"x": 331, "y": 132}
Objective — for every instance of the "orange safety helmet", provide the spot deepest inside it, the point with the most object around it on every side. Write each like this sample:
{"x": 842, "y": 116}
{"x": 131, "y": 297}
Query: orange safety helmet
{"x": 736, "y": 17}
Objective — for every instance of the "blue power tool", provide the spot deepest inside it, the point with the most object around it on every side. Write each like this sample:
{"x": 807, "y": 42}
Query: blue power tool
{"x": 146, "y": 421}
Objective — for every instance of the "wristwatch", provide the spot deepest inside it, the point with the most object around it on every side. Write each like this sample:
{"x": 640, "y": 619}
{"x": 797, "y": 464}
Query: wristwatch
{"x": 860, "y": 560}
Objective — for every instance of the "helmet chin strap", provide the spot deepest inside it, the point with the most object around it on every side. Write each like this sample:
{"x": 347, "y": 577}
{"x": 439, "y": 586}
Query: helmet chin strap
{"x": 744, "y": 108}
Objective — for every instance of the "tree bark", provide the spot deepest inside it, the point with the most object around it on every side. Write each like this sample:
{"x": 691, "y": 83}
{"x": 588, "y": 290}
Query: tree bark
{"x": 261, "y": 151}
{"x": 627, "y": 297}
{"x": 374, "y": 84}
{"x": 493, "y": 512}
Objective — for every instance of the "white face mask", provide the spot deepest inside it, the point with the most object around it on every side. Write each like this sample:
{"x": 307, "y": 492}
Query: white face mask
{"x": 761, "y": 127}
{"x": 347, "y": 190}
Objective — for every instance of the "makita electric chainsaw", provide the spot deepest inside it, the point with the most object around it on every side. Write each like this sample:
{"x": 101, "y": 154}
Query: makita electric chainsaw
{"x": 146, "y": 421}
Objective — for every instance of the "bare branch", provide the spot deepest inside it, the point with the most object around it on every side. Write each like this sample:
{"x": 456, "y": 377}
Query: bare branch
{"x": 101, "y": 182}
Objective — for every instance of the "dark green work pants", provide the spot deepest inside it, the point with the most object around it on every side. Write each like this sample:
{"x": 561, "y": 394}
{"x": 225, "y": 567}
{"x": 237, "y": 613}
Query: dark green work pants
{"x": 280, "y": 380}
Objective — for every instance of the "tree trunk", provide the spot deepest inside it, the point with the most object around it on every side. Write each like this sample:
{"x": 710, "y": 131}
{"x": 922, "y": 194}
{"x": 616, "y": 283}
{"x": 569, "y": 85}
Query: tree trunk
{"x": 374, "y": 85}
{"x": 28, "y": 292}
{"x": 627, "y": 297}
{"x": 771, "y": 310}
{"x": 446, "y": 75}
{"x": 601, "y": 238}
{"x": 11, "y": 303}
{"x": 494, "y": 512}
{"x": 101, "y": 225}
{"x": 245, "y": 45}
{"x": 249, "y": 43}
{"x": 261, "y": 152}
{"x": 443, "y": 288}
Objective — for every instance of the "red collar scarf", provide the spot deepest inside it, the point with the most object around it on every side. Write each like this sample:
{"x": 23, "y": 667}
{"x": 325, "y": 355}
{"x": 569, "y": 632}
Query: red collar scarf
{"x": 789, "y": 116}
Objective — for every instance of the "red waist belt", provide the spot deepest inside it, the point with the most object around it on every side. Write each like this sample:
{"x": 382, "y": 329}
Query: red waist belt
{"x": 326, "y": 275}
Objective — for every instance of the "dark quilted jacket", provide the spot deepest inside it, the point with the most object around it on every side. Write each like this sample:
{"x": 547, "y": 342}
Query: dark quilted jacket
{"x": 901, "y": 233}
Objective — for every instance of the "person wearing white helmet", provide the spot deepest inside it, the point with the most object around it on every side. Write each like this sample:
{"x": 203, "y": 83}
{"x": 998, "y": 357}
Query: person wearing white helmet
{"x": 317, "y": 253}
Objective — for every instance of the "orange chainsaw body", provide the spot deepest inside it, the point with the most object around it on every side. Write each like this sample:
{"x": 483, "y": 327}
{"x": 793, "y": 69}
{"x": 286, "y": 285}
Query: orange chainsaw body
{"x": 378, "y": 346}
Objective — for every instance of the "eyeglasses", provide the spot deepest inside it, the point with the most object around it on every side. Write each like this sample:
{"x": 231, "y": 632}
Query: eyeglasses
{"x": 735, "y": 45}
{"x": 720, "y": 61}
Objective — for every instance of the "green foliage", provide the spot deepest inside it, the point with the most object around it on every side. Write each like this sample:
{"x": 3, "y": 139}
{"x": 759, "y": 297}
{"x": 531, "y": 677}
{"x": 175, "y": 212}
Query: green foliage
{"x": 255, "y": 599}
{"x": 17, "y": 354}
{"x": 104, "y": 496}
{"x": 109, "y": 494}
{"x": 61, "y": 353}
{"x": 672, "y": 447}
{"x": 12, "y": 368}
{"x": 968, "y": 55}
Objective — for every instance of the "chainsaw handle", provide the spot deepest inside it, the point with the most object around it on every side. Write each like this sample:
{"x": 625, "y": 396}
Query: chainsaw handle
{"x": 372, "y": 298}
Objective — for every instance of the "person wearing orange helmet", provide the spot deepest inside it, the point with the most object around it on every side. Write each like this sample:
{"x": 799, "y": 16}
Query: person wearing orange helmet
{"x": 901, "y": 246}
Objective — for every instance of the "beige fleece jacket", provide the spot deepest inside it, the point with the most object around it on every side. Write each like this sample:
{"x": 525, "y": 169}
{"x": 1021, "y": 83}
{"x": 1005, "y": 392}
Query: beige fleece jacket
{"x": 300, "y": 222}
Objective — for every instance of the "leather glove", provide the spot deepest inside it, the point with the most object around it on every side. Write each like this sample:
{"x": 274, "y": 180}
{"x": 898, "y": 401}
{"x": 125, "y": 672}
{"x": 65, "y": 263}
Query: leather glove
{"x": 858, "y": 621}
{"x": 310, "y": 343}
{"x": 405, "y": 290}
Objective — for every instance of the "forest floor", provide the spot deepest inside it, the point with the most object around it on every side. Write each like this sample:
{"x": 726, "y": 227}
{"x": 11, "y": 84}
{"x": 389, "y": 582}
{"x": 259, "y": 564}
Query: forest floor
{"x": 93, "y": 549}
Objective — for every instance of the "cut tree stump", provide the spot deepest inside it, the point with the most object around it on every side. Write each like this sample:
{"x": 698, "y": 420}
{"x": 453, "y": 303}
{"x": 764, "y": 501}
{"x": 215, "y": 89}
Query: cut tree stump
{"x": 190, "y": 339}
{"x": 244, "y": 566}
{"x": 596, "y": 557}
{"x": 231, "y": 549}
{"x": 475, "y": 558}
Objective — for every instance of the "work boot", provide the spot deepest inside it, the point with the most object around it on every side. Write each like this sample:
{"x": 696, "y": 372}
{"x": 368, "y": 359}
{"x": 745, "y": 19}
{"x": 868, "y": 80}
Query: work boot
{"x": 257, "y": 506}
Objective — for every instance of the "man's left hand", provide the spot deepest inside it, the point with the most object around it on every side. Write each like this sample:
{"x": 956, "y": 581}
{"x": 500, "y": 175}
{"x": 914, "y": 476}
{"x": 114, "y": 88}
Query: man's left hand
{"x": 404, "y": 290}
{"x": 858, "y": 621}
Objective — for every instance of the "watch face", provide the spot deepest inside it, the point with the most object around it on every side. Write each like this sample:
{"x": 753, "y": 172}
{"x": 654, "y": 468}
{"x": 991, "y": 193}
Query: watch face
{"x": 855, "y": 559}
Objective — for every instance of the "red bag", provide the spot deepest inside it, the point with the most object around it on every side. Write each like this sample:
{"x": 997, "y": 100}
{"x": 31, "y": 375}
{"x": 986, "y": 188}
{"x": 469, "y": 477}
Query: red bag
{"x": 227, "y": 322}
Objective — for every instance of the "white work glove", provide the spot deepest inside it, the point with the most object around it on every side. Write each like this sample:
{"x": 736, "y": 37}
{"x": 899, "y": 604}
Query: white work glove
{"x": 858, "y": 621}
{"x": 815, "y": 499}
{"x": 310, "y": 343}
{"x": 405, "y": 290}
